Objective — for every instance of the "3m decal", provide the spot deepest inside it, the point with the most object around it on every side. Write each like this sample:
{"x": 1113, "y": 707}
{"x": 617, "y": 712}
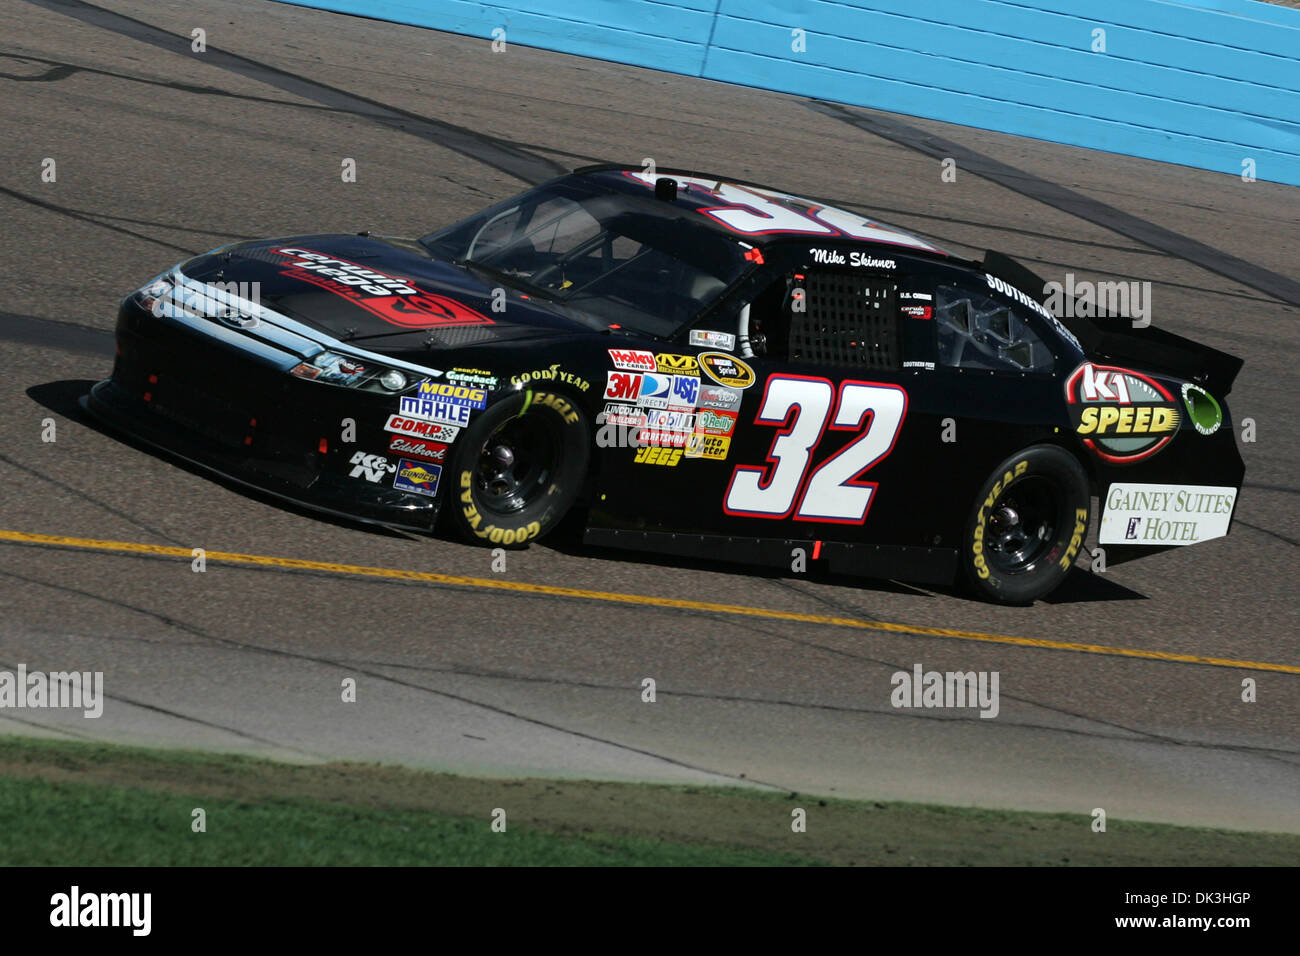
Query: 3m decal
{"x": 622, "y": 386}
{"x": 417, "y": 477}
{"x": 726, "y": 370}
{"x": 424, "y": 429}
{"x": 788, "y": 484}
{"x": 1121, "y": 415}
{"x": 395, "y": 299}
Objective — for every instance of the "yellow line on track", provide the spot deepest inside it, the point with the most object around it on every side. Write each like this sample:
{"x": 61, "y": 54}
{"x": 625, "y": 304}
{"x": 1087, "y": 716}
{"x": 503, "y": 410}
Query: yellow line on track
{"x": 610, "y": 597}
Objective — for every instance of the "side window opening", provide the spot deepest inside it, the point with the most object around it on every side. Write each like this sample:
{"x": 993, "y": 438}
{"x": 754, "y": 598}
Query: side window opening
{"x": 975, "y": 332}
{"x": 847, "y": 319}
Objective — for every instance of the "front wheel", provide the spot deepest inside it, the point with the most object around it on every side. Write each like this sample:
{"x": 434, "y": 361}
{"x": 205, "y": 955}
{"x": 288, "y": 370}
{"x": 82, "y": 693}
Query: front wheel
{"x": 518, "y": 468}
{"x": 1027, "y": 525}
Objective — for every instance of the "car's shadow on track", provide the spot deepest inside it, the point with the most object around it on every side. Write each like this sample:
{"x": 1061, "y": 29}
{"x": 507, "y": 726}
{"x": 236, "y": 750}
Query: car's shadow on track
{"x": 63, "y": 398}
{"x": 1081, "y": 587}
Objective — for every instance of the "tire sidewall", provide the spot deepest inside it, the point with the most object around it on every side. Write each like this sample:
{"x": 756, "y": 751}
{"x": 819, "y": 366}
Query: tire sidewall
{"x": 1072, "y": 519}
{"x": 540, "y": 517}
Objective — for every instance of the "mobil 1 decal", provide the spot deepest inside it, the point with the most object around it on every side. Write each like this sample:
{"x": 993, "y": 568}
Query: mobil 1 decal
{"x": 1123, "y": 416}
{"x": 801, "y": 480}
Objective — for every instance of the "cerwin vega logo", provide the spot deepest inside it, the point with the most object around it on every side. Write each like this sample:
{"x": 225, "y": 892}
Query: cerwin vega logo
{"x": 394, "y": 299}
{"x": 1123, "y": 416}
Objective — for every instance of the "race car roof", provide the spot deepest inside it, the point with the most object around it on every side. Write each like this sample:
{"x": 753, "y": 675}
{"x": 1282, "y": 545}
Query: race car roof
{"x": 754, "y": 211}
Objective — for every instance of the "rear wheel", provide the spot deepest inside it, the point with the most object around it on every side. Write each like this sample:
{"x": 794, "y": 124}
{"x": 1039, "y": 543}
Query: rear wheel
{"x": 518, "y": 468}
{"x": 1026, "y": 526}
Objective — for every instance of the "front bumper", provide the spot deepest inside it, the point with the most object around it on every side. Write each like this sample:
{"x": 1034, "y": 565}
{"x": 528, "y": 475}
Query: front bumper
{"x": 230, "y": 406}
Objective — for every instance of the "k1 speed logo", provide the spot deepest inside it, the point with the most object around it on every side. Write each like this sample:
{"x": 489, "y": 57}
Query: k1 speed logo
{"x": 1121, "y": 415}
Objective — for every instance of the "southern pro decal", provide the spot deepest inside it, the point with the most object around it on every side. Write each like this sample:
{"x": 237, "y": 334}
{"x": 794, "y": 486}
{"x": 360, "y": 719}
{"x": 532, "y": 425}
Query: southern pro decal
{"x": 393, "y": 298}
{"x": 1165, "y": 514}
{"x": 1123, "y": 416}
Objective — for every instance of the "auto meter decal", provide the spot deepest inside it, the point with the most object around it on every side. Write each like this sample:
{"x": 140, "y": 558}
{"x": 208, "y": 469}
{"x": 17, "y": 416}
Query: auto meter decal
{"x": 1123, "y": 416}
{"x": 392, "y": 298}
{"x": 726, "y": 370}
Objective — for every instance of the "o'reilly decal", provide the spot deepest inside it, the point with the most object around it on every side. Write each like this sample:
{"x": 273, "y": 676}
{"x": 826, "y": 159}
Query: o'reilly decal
{"x": 1165, "y": 514}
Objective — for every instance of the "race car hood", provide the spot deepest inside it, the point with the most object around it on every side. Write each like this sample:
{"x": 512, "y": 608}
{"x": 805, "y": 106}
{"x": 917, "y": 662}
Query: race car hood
{"x": 386, "y": 293}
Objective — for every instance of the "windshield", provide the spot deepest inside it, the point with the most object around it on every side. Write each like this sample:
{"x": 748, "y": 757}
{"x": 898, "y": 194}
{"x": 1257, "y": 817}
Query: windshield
{"x": 631, "y": 261}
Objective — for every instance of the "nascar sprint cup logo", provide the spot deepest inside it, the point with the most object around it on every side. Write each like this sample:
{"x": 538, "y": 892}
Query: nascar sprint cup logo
{"x": 1121, "y": 415}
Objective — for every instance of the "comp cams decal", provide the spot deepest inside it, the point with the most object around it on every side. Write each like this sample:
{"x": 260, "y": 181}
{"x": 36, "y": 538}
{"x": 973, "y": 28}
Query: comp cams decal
{"x": 394, "y": 299}
{"x": 433, "y": 431}
{"x": 1121, "y": 415}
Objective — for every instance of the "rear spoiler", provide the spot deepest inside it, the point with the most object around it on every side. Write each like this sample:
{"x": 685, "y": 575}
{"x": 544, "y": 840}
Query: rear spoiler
{"x": 1115, "y": 340}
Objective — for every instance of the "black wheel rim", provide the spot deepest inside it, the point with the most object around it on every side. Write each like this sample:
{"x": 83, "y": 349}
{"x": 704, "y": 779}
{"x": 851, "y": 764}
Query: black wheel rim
{"x": 1022, "y": 525}
{"x": 515, "y": 465}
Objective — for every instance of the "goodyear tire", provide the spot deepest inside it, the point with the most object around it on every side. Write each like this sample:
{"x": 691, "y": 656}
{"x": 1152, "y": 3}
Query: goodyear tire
{"x": 517, "y": 468}
{"x": 1026, "y": 526}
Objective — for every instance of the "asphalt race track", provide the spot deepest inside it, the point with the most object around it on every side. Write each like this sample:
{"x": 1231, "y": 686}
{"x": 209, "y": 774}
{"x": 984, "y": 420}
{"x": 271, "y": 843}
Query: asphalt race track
{"x": 161, "y": 153}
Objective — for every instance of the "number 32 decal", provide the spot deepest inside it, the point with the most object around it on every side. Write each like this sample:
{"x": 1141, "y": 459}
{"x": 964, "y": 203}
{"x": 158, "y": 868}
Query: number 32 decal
{"x": 802, "y": 408}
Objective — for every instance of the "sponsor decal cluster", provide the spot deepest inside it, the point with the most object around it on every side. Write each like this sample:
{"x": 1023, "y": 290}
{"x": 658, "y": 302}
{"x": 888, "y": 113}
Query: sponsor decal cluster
{"x": 684, "y": 405}
{"x": 1165, "y": 514}
{"x": 1121, "y": 415}
{"x": 552, "y": 374}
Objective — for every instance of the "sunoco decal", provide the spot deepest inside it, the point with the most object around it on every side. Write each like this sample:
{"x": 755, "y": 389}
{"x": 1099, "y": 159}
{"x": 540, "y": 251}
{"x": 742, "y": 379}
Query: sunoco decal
{"x": 394, "y": 299}
{"x": 1123, "y": 416}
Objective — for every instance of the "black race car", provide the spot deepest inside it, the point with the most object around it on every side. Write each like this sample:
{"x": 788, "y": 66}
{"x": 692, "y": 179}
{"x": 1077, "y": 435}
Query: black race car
{"x": 708, "y": 367}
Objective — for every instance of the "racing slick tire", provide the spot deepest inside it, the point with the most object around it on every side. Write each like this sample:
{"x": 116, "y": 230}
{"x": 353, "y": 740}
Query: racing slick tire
{"x": 1026, "y": 526}
{"x": 518, "y": 468}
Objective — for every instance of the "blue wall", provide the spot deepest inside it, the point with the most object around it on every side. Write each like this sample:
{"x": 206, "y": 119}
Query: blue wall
{"x": 1205, "y": 83}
